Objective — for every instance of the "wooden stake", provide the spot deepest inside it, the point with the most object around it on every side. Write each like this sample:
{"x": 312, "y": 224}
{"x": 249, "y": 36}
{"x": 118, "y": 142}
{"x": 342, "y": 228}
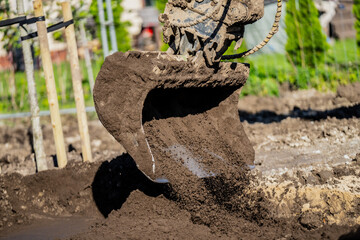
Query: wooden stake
{"x": 77, "y": 83}
{"x": 50, "y": 85}
{"x": 38, "y": 143}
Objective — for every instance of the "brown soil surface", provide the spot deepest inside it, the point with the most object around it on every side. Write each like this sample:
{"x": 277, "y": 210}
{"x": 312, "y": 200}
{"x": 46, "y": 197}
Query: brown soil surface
{"x": 351, "y": 92}
{"x": 16, "y": 151}
{"x": 305, "y": 184}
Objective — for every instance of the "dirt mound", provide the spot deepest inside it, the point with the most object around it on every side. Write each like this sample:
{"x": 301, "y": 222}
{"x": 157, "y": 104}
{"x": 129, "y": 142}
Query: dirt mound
{"x": 66, "y": 192}
{"x": 350, "y": 92}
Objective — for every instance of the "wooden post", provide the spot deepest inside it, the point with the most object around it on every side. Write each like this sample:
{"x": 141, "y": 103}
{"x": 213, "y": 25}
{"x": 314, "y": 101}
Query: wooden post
{"x": 50, "y": 85}
{"x": 38, "y": 143}
{"x": 77, "y": 85}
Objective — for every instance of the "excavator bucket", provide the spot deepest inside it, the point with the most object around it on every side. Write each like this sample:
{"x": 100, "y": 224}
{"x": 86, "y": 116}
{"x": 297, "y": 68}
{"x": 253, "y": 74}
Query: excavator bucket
{"x": 178, "y": 110}
{"x": 164, "y": 108}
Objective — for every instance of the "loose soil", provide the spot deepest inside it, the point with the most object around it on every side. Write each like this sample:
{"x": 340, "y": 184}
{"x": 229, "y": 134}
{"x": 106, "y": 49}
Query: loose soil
{"x": 305, "y": 184}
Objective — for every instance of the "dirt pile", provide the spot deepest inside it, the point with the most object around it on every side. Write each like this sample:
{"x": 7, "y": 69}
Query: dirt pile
{"x": 23, "y": 199}
{"x": 16, "y": 150}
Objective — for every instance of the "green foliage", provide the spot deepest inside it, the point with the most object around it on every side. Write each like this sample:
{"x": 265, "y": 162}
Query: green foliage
{"x": 256, "y": 85}
{"x": 356, "y": 11}
{"x": 62, "y": 73}
{"x": 269, "y": 71}
{"x": 122, "y": 35}
{"x": 11, "y": 34}
{"x": 79, "y": 14}
{"x": 306, "y": 45}
{"x": 160, "y": 5}
{"x": 231, "y": 51}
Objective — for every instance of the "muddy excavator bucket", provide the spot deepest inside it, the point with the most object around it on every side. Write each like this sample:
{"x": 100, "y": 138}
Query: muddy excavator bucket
{"x": 164, "y": 108}
{"x": 178, "y": 110}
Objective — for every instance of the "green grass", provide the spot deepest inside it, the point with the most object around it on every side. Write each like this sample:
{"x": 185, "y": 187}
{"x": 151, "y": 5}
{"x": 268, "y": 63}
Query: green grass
{"x": 269, "y": 71}
{"x": 344, "y": 51}
{"x": 64, "y": 87}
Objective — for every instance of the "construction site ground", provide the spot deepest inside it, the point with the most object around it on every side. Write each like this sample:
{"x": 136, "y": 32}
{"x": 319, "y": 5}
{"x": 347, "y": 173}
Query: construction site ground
{"x": 305, "y": 183}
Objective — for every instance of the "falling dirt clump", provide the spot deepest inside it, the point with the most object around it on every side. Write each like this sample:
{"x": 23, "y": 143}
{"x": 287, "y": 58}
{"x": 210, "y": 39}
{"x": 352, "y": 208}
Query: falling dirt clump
{"x": 211, "y": 200}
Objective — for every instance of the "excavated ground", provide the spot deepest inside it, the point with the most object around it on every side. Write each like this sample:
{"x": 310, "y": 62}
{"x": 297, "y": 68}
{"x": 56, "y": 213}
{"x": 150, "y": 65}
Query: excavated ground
{"x": 305, "y": 185}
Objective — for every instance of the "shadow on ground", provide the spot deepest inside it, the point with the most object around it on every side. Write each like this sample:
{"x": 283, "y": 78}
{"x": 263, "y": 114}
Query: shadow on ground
{"x": 115, "y": 180}
{"x": 352, "y": 235}
{"x": 267, "y": 117}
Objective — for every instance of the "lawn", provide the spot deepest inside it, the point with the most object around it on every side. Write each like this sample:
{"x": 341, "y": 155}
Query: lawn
{"x": 62, "y": 74}
{"x": 270, "y": 70}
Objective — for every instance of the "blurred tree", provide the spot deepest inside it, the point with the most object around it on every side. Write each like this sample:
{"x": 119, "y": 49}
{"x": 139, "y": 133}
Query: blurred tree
{"x": 356, "y": 11}
{"x": 80, "y": 13}
{"x": 122, "y": 35}
{"x": 11, "y": 34}
{"x": 306, "y": 44}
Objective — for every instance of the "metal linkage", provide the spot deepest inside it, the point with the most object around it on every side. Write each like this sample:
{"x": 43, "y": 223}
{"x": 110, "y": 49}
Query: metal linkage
{"x": 206, "y": 28}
